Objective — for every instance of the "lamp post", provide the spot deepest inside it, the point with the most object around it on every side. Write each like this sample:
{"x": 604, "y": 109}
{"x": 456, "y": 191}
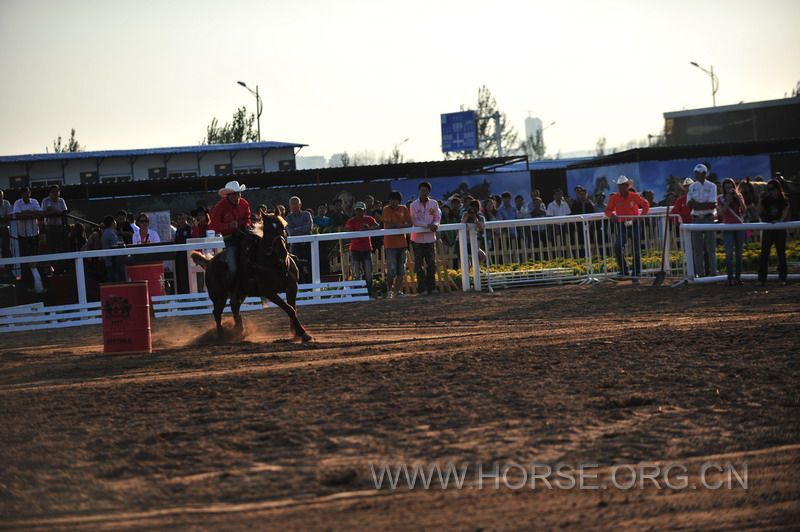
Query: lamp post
{"x": 259, "y": 106}
{"x": 714, "y": 81}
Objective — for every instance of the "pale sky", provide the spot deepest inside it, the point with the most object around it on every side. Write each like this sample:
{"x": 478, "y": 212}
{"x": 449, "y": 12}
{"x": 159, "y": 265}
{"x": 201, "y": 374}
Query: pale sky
{"x": 364, "y": 75}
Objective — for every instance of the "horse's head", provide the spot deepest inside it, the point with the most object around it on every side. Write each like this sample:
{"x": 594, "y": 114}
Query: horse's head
{"x": 273, "y": 225}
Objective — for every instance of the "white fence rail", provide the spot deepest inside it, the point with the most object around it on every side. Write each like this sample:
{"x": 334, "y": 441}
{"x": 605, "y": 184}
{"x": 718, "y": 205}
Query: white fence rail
{"x": 525, "y": 251}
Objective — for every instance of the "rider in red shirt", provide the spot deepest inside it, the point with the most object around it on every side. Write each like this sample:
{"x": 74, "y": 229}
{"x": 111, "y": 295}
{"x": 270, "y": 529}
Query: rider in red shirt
{"x": 230, "y": 215}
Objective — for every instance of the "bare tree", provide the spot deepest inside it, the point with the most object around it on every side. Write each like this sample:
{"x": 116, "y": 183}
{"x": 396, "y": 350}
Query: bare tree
{"x": 533, "y": 146}
{"x": 601, "y": 146}
{"x": 487, "y": 145}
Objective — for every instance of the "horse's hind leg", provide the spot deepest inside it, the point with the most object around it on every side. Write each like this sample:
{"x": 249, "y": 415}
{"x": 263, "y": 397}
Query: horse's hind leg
{"x": 236, "y": 305}
{"x": 219, "y": 306}
{"x": 297, "y": 327}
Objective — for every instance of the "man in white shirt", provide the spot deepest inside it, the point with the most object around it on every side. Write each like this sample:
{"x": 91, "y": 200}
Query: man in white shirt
{"x": 558, "y": 207}
{"x": 27, "y": 212}
{"x": 425, "y": 213}
{"x": 702, "y": 199}
{"x": 5, "y": 236}
{"x": 54, "y": 208}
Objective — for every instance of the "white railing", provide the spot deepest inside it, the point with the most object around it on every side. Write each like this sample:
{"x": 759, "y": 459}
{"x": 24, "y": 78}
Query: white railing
{"x": 577, "y": 247}
{"x": 688, "y": 229}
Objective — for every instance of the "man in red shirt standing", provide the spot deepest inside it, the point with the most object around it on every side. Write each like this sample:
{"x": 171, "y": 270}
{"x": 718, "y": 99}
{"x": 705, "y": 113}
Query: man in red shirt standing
{"x": 229, "y": 216}
{"x": 623, "y": 207}
{"x": 361, "y": 248}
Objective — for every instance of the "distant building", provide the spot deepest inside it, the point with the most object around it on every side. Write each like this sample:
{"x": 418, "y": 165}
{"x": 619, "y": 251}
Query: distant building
{"x": 120, "y": 166}
{"x": 744, "y": 122}
{"x": 533, "y": 126}
{"x": 310, "y": 162}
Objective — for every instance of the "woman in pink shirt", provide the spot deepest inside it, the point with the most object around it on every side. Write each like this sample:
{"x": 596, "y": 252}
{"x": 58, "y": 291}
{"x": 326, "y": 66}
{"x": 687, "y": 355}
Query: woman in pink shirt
{"x": 731, "y": 208}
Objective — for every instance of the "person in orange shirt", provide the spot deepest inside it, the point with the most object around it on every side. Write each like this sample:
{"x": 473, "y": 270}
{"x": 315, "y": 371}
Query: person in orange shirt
{"x": 395, "y": 216}
{"x": 622, "y": 208}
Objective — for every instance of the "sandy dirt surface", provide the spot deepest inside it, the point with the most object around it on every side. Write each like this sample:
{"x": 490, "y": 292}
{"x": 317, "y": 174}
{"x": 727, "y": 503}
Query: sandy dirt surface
{"x": 267, "y": 433}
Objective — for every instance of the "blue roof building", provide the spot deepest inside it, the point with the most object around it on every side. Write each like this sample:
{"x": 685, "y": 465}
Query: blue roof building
{"x": 120, "y": 166}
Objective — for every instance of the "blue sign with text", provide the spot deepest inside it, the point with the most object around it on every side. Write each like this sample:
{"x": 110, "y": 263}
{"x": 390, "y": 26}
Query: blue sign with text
{"x": 459, "y": 131}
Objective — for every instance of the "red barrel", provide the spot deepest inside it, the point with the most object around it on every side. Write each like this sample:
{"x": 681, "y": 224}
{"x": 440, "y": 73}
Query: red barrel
{"x": 152, "y": 273}
{"x": 126, "y": 318}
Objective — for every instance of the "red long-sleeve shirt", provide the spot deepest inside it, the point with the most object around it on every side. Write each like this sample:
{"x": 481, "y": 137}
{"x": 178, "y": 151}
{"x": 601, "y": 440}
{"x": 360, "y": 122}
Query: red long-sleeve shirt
{"x": 626, "y": 205}
{"x": 224, "y": 213}
{"x": 682, "y": 207}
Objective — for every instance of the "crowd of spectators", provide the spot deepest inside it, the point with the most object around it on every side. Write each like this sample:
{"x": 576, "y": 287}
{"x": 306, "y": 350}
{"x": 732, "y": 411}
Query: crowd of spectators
{"x": 698, "y": 200}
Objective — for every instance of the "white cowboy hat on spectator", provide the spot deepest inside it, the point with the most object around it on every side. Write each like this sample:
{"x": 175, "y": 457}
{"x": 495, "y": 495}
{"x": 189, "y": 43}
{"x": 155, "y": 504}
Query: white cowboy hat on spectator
{"x": 688, "y": 181}
{"x": 621, "y": 180}
{"x": 701, "y": 169}
{"x": 360, "y": 205}
{"x": 231, "y": 187}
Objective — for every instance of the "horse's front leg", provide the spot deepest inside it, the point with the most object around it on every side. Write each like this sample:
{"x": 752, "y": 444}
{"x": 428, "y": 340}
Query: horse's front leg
{"x": 297, "y": 327}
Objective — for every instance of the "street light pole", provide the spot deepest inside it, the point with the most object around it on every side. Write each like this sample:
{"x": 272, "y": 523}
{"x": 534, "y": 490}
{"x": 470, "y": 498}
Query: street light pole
{"x": 259, "y": 106}
{"x": 714, "y": 81}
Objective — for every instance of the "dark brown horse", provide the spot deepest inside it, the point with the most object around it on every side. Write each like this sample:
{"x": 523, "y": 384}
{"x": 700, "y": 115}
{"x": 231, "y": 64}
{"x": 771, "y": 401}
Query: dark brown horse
{"x": 265, "y": 270}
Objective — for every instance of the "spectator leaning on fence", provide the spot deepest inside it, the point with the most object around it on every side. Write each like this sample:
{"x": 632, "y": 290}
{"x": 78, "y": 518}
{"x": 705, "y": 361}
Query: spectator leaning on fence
{"x": 731, "y": 207}
{"x": 558, "y": 207}
{"x": 519, "y": 204}
{"x": 582, "y": 204}
{"x": 773, "y": 207}
{"x": 395, "y": 216}
{"x": 361, "y": 248}
{"x": 425, "y": 213}
{"x": 26, "y": 212}
{"x": 702, "y": 199}
{"x": 299, "y": 223}
{"x": 54, "y": 208}
{"x": 622, "y": 207}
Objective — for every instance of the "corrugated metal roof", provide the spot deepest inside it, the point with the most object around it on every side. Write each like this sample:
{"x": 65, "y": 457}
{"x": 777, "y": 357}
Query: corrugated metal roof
{"x": 733, "y": 107}
{"x": 207, "y": 148}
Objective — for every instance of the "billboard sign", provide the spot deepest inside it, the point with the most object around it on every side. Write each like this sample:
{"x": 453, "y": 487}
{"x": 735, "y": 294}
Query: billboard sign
{"x": 459, "y": 131}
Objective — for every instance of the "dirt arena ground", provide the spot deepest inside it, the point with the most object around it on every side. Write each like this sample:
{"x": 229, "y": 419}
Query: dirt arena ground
{"x": 267, "y": 433}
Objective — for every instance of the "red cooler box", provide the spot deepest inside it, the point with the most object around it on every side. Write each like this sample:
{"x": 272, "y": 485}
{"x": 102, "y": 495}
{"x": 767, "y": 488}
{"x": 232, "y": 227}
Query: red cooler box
{"x": 152, "y": 273}
{"x": 126, "y": 318}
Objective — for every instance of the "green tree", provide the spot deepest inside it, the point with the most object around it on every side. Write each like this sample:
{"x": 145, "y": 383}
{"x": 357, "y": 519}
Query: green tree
{"x": 533, "y": 146}
{"x": 239, "y": 129}
{"x": 71, "y": 145}
{"x": 487, "y": 145}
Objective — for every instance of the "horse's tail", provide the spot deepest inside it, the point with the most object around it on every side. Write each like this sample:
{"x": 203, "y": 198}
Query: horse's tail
{"x": 200, "y": 259}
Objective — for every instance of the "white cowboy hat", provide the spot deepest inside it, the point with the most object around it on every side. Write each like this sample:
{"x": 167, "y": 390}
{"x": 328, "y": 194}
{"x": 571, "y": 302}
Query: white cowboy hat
{"x": 230, "y": 187}
{"x": 688, "y": 181}
{"x": 621, "y": 180}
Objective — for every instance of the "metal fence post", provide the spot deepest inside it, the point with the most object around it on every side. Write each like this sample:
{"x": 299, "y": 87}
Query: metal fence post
{"x": 463, "y": 257}
{"x": 688, "y": 252}
{"x": 80, "y": 279}
{"x": 474, "y": 251}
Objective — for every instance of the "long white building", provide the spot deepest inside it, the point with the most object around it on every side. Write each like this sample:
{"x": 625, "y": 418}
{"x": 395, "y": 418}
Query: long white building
{"x": 120, "y": 166}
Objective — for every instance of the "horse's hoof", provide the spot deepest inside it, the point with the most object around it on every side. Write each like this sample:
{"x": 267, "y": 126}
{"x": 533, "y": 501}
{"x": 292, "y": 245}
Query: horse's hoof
{"x": 306, "y": 338}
